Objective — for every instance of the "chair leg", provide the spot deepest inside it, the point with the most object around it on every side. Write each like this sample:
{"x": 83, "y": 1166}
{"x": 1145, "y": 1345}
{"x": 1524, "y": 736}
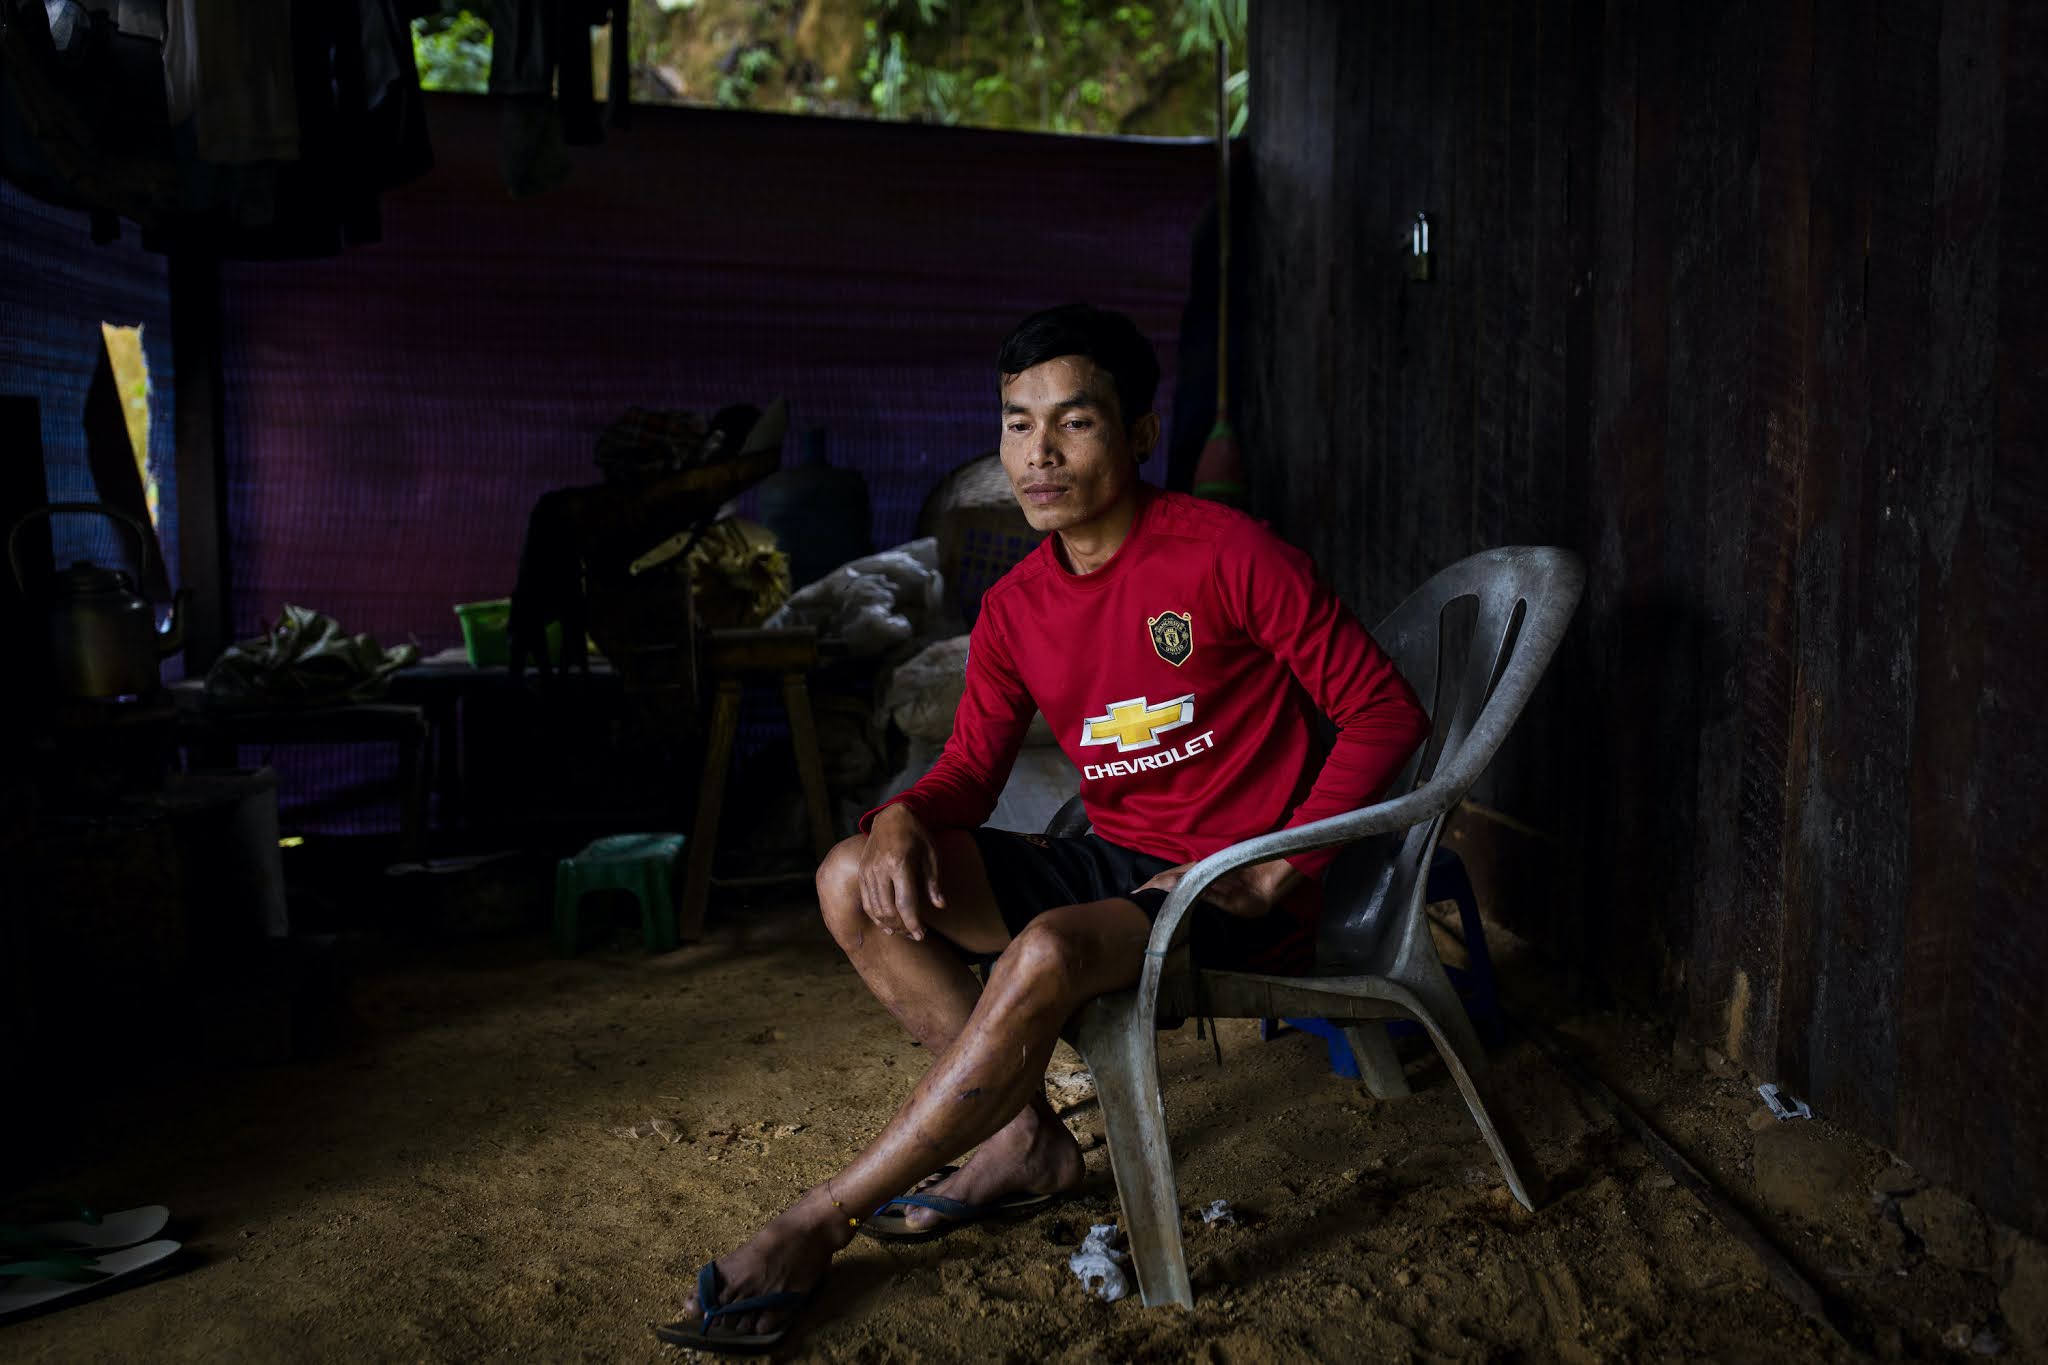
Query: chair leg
{"x": 1378, "y": 1066}
{"x": 658, "y": 911}
{"x": 1503, "y": 1136}
{"x": 810, "y": 767}
{"x": 412, "y": 795}
{"x": 1125, "y": 1060}
{"x": 702, "y": 847}
{"x": 1435, "y": 1003}
{"x": 566, "y": 905}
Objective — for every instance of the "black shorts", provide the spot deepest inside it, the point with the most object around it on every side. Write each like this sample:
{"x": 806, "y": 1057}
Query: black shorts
{"x": 1034, "y": 873}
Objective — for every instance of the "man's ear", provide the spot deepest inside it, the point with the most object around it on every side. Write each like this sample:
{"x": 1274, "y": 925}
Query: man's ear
{"x": 1144, "y": 436}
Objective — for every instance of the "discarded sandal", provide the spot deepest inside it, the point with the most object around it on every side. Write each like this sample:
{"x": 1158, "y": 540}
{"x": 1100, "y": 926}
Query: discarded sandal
{"x": 90, "y": 1233}
{"x": 698, "y": 1335}
{"x": 32, "y": 1284}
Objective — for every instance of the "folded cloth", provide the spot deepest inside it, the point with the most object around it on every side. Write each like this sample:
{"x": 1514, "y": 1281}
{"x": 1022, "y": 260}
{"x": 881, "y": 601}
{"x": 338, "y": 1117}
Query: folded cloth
{"x": 307, "y": 659}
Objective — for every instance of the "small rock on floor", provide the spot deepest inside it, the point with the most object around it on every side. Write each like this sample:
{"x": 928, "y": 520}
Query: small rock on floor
{"x": 1950, "y": 1226}
{"x": 1800, "y": 1169}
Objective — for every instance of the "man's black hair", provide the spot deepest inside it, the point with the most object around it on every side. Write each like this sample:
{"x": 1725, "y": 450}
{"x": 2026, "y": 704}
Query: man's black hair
{"x": 1108, "y": 338}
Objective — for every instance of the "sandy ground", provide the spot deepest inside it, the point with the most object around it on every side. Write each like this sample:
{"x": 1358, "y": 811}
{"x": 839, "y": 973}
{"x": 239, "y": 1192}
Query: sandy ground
{"x": 452, "y": 1183}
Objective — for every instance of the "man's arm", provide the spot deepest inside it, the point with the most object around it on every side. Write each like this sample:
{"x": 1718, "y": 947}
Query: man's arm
{"x": 1287, "y": 609}
{"x": 899, "y": 871}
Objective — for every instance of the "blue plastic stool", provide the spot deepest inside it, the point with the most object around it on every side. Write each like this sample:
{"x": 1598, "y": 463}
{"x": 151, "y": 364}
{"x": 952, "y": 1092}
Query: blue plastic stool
{"x": 1448, "y": 881}
{"x": 639, "y": 864}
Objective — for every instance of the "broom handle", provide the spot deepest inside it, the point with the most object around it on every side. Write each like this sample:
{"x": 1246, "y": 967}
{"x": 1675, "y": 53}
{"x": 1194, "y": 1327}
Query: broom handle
{"x": 1222, "y": 227}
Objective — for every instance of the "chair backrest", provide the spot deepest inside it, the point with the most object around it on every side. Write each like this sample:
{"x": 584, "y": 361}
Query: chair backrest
{"x": 977, "y": 546}
{"x": 982, "y": 532}
{"x": 979, "y": 482}
{"x": 1473, "y": 641}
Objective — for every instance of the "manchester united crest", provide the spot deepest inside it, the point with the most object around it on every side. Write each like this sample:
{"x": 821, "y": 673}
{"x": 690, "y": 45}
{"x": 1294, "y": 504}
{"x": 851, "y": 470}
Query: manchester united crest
{"x": 1173, "y": 636}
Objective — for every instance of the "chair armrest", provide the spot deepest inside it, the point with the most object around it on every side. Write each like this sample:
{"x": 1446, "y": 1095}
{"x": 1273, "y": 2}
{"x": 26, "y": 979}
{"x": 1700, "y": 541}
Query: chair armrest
{"x": 1426, "y": 802}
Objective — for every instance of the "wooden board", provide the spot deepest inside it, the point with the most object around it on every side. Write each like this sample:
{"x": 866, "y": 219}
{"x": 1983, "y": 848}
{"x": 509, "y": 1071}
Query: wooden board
{"x": 1747, "y": 304}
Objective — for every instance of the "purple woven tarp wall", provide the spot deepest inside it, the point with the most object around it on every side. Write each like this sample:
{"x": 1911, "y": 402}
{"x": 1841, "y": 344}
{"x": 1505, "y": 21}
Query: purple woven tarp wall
{"x": 392, "y": 414}
{"x": 56, "y": 288}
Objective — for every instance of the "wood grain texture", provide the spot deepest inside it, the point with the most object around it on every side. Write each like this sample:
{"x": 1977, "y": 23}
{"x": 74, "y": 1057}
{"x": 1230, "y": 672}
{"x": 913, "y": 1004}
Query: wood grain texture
{"x": 1748, "y": 304}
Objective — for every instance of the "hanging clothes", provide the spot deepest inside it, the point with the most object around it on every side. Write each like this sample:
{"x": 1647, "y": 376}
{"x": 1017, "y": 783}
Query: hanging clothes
{"x": 542, "y": 67}
{"x": 245, "y": 128}
{"x": 83, "y": 125}
{"x": 361, "y": 129}
{"x": 228, "y": 70}
{"x": 533, "y": 155}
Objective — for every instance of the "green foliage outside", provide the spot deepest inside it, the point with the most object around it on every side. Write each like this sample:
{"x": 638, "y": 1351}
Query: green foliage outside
{"x": 453, "y": 50}
{"x": 1066, "y": 66}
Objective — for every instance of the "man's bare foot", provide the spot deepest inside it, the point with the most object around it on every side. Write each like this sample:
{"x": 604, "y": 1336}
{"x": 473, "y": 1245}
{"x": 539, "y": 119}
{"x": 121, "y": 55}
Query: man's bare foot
{"x": 1033, "y": 1154}
{"x": 789, "y": 1254}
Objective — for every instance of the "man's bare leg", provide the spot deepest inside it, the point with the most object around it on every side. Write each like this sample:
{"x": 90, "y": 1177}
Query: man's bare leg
{"x": 1063, "y": 958}
{"x": 925, "y": 984}
{"x": 927, "y": 987}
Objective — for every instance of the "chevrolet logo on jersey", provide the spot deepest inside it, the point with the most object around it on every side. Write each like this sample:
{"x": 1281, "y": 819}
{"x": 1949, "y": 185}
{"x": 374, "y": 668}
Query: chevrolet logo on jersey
{"x": 1134, "y": 724}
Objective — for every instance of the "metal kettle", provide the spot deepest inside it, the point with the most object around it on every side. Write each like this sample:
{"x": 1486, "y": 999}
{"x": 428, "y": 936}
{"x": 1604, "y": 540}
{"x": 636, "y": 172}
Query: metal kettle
{"x": 100, "y": 634}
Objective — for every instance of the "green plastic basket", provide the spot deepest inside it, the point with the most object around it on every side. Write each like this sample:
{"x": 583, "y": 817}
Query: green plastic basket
{"x": 487, "y": 636}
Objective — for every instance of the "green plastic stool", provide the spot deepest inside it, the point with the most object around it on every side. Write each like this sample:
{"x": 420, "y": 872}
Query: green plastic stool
{"x": 640, "y": 864}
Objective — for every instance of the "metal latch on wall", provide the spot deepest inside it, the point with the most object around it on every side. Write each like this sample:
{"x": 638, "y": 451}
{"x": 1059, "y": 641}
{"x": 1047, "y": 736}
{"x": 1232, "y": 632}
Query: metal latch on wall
{"x": 1420, "y": 260}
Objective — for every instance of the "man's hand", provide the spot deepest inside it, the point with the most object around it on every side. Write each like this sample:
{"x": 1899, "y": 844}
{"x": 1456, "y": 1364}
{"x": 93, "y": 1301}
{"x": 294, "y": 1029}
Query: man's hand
{"x": 899, "y": 873}
{"x": 1248, "y": 892}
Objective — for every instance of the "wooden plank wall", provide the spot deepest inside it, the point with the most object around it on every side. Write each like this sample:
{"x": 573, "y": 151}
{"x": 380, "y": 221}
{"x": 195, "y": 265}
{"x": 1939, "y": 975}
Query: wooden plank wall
{"x": 1745, "y": 302}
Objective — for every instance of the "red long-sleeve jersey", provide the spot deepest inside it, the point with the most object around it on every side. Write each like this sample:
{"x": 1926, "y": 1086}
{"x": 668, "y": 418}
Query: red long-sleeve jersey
{"x": 1182, "y": 678}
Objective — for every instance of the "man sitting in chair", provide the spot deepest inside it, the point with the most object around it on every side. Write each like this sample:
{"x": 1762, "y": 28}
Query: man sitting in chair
{"x": 1180, "y": 652}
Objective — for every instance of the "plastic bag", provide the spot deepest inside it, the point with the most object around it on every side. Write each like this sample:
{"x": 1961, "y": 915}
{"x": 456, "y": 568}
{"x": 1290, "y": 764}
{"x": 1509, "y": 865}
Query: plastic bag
{"x": 1100, "y": 1265}
{"x": 871, "y": 604}
{"x": 924, "y": 692}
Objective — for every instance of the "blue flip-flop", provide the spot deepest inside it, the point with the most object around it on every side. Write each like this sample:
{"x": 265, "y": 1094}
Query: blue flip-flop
{"x": 697, "y": 1335}
{"x": 891, "y": 1222}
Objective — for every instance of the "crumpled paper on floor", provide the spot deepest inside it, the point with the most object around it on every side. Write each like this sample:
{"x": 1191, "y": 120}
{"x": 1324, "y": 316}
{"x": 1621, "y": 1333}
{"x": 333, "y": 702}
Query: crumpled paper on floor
{"x": 1100, "y": 1265}
{"x": 1071, "y": 1090}
{"x": 665, "y": 1129}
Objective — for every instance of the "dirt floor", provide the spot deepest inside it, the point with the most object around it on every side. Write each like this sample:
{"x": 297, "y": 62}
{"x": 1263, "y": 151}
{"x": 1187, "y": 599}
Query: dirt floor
{"x": 458, "y": 1180}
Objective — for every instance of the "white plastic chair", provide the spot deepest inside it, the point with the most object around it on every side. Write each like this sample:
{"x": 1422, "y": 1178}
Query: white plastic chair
{"x": 1473, "y": 641}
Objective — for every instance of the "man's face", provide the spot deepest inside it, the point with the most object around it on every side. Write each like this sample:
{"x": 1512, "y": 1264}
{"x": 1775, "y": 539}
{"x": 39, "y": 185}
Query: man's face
{"x": 1065, "y": 447}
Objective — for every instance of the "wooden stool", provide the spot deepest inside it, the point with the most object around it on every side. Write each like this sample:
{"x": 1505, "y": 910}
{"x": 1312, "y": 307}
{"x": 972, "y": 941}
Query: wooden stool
{"x": 730, "y": 657}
